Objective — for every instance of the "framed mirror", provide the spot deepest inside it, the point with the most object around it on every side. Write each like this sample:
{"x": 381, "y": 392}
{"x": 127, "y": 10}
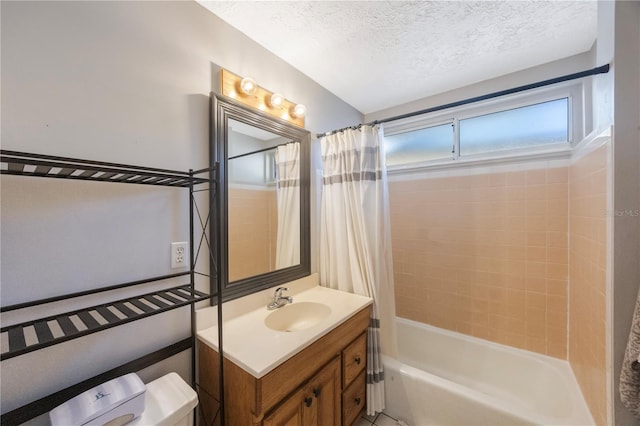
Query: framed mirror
{"x": 264, "y": 165}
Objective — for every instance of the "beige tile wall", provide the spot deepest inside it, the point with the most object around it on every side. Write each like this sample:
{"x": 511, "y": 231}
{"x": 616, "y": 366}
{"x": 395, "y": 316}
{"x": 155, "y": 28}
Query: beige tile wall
{"x": 252, "y": 232}
{"x": 588, "y": 260}
{"x": 485, "y": 255}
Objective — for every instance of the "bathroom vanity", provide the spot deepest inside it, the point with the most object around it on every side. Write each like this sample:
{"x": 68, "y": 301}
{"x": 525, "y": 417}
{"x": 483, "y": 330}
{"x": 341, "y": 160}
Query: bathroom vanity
{"x": 303, "y": 362}
{"x": 304, "y": 376}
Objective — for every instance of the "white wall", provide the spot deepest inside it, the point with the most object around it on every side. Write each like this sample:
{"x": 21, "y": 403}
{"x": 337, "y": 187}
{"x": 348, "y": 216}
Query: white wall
{"x": 123, "y": 82}
{"x": 603, "y": 84}
{"x": 626, "y": 192}
{"x": 553, "y": 69}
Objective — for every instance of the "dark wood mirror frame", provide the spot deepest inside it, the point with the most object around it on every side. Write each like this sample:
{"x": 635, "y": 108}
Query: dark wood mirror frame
{"x": 222, "y": 110}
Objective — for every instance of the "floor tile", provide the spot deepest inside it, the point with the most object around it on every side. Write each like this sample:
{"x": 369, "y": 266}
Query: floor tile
{"x": 372, "y": 419}
{"x": 362, "y": 422}
{"x": 384, "y": 420}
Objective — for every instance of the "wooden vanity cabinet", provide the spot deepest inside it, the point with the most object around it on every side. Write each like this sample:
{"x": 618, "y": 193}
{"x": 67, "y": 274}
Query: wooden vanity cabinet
{"x": 322, "y": 385}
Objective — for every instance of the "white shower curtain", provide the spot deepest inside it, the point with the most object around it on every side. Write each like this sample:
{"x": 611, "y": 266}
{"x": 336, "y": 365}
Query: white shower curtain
{"x": 288, "y": 201}
{"x": 355, "y": 242}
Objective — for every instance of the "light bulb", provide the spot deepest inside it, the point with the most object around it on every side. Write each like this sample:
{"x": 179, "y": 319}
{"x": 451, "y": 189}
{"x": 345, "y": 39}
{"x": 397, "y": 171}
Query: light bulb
{"x": 299, "y": 111}
{"x": 276, "y": 100}
{"x": 248, "y": 86}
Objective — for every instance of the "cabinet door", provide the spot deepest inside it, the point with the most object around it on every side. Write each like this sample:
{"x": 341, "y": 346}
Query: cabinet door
{"x": 315, "y": 404}
{"x": 324, "y": 388}
{"x": 290, "y": 412}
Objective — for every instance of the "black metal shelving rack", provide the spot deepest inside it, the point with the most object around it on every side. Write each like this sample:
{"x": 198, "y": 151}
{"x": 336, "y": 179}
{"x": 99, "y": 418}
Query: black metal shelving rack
{"x": 65, "y": 326}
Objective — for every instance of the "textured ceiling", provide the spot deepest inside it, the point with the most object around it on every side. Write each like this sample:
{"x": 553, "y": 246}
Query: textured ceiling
{"x": 378, "y": 54}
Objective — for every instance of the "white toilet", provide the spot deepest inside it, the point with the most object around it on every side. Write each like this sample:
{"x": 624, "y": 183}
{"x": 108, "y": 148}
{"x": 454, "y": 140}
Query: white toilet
{"x": 168, "y": 401}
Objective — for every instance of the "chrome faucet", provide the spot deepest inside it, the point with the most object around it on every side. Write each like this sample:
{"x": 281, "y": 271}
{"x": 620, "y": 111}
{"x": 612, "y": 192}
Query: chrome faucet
{"x": 279, "y": 300}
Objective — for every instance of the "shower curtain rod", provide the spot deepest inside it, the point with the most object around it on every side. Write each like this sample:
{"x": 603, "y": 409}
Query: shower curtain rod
{"x": 246, "y": 154}
{"x": 599, "y": 70}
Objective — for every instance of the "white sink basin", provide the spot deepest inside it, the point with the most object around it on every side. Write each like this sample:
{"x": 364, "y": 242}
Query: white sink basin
{"x": 297, "y": 316}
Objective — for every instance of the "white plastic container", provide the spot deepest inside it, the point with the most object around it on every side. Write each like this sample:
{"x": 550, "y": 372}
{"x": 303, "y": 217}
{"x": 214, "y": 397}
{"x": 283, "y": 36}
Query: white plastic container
{"x": 167, "y": 401}
{"x": 118, "y": 401}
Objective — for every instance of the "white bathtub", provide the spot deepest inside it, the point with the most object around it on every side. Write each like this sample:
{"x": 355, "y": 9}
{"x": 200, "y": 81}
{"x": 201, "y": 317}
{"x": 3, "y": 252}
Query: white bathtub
{"x": 447, "y": 378}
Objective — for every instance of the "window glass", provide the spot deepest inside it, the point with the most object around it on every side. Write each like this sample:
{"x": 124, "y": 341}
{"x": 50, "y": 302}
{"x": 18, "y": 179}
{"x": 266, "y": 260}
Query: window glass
{"x": 431, "y": 143}
{"x": 538, "y": 124}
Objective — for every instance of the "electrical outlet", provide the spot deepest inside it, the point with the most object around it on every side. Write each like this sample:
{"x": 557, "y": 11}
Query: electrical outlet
{"x": 179, "y": 255}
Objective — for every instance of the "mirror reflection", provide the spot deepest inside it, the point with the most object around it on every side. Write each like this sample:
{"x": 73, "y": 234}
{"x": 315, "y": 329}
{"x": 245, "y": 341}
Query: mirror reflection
{"x": 263, "y": 201}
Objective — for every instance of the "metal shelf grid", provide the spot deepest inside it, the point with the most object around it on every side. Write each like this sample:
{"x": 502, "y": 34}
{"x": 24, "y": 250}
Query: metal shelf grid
{"x": 26, "y": 164}
{"x": 29, "y": 336}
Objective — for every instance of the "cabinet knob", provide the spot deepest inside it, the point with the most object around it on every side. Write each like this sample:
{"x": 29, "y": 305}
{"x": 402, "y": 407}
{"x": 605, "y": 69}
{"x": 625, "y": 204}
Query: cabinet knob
{"x": 316, "y": 392}
{"x": 357, "y": 401}
{"x": 308, "y": 401}
{"x": 357, "y": 360}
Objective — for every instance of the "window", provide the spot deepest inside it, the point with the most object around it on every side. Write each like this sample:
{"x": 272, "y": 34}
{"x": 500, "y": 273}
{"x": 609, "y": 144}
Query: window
{"x": 546, "y": 121}
{"x": 428, "y": 144}
{"x": 532, "y": 125}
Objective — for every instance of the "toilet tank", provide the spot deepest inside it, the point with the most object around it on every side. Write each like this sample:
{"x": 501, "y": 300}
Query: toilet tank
{"x": 169, "y": 401}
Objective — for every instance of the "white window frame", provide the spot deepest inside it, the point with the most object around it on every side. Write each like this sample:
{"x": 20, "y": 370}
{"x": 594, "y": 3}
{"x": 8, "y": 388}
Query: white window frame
{"x": 573, "y": 91}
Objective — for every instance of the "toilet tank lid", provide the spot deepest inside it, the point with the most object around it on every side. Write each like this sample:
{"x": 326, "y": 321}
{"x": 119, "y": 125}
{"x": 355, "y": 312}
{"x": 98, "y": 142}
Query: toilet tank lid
{"x": 167, "y": 400}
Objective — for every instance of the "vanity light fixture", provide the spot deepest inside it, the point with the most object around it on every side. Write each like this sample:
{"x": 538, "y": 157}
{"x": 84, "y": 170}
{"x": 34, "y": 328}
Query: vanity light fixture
{"x": 248, "y": 86}
{"x": 276, "y": 100}
{"x": 247, "y": 91}
{"x": 299, "y": 111}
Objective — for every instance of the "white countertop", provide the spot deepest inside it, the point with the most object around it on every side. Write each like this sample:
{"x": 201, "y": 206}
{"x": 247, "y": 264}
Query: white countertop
{"x": 257, "y": 349}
